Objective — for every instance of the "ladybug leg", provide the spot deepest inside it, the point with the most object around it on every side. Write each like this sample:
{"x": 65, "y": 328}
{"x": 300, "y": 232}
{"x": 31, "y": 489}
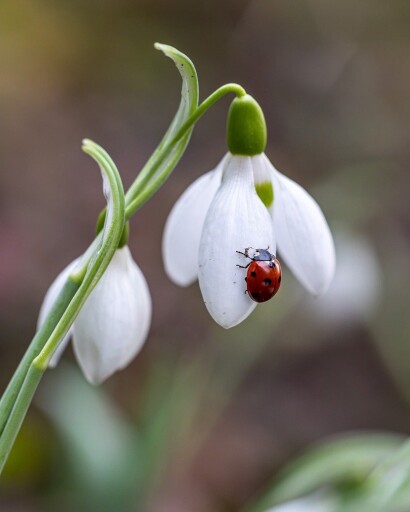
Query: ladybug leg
{"x": 243, "y": 253}
{"x": 246, "y": 256}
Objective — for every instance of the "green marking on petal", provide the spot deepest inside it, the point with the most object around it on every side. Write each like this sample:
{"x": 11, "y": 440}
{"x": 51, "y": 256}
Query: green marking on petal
{"x": 265, "y": 193}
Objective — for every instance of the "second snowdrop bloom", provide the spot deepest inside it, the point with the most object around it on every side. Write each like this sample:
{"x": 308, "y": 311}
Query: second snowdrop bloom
{"x": 114, "y": 321}
{"x": 245, "y": 202}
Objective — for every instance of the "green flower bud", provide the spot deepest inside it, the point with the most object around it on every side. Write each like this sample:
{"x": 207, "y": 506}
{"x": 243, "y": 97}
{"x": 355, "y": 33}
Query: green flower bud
{"x": 246, "y": 127}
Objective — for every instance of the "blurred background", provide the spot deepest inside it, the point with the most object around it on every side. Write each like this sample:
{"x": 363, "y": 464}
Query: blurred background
{"x": 203, "y": 418}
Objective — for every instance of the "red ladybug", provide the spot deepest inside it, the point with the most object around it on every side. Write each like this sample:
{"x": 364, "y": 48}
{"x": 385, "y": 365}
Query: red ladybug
{"x": 264, "y": 274}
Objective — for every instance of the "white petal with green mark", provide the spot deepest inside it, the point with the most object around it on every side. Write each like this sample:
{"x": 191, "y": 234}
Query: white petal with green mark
{"x": 303, "y": 235}
{"x": 263, "y": 180}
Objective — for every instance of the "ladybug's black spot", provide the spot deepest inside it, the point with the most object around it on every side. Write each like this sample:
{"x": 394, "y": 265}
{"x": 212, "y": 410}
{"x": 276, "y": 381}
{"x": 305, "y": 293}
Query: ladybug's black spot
{"x": 253, "y": 273}
{"x": 267, "y": 282}
{"x": 256, "y": 295}
{"x": 279, "y": 279}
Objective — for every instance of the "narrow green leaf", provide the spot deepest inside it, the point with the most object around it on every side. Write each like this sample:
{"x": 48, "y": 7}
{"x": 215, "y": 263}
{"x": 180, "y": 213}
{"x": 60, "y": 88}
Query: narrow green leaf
{"x": 338, "y": 461}
{"x": 100, "y": 444}
{"x": 166, "y": 156}
{"x": 189, "y": 92}
{"x": 388, "y": 487}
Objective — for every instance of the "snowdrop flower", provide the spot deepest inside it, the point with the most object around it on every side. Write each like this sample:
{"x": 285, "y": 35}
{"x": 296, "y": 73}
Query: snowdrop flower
{"x": 114, "y": 321}
{"x": 244, "y": 202}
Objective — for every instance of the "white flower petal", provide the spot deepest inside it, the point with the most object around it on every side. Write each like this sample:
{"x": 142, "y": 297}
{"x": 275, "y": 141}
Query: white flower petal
{"x": 236, "y": 219}
{"x": 183, "y": 228}
{"x": 303, "y": 235}
{"x": 49, "y": 299}
{"x": 262, "y": 174}
{"x": 113, "y": 324}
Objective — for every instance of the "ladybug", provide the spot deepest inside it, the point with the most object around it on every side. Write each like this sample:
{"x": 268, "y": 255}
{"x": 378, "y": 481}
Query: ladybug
{"x": 264, "y": 274}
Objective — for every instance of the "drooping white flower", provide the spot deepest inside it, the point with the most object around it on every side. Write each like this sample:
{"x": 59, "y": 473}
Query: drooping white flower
{"x": 114, "y": 321}
{"x": 245, "y": 202}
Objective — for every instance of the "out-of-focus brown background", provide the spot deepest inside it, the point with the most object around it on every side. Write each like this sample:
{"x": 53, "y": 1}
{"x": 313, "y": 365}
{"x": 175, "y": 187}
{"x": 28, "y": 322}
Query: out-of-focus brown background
{"x": 333, "y": 79}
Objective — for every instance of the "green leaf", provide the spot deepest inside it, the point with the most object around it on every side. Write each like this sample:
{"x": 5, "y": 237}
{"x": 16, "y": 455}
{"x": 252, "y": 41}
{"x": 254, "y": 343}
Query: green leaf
{"x": 388, "y": 487}
{"x": 168, "y": 153}
{"x": 189, "y": 92}
{"x": 102, "y": 453}
{"x": 340, "y": 461}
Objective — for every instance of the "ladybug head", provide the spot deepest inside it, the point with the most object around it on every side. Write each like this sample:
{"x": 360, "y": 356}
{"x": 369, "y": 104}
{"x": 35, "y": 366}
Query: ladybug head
{"x": 263, "y": 255}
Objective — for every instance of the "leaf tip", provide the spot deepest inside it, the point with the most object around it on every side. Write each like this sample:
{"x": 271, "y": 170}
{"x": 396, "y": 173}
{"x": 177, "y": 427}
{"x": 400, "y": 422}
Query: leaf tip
{"x": 86, "y": 145}
{"x": 162, "y": 47}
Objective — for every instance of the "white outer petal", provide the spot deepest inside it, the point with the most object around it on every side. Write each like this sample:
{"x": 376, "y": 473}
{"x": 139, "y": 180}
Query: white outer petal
{"x": 303, "y": 235}
{"x": 236, "y": 219}
{"x": 183, "y": 228}
{"x": 114, "y": 322}
{"x": 49, "y": 299}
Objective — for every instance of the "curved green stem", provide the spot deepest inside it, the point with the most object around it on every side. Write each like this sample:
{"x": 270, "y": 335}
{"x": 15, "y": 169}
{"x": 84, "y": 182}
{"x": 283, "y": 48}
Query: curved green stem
{"x": 10, "y": 394}
{"x": 111, "y": 236}
{"x": 18, "y": 412}
{"x": 17, "y": 397}
{"x": 141, "y": 190}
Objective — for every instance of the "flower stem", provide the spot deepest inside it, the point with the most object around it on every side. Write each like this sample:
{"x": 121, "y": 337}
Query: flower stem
{"x": 143, "y": 188}
{"x": 96, "y": 267}
{"x": 19, "y": 393}
{"x": 10, "y": 394}
{"x": 132, "y": 205}
{"x": 18, "y": 412}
